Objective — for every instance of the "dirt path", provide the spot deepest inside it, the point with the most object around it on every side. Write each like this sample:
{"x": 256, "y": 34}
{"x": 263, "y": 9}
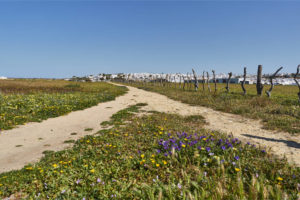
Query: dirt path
{"x": 51, "y": 134}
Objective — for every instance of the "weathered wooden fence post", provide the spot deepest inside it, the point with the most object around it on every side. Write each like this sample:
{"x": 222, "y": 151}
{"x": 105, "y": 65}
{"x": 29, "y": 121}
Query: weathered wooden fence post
{"x": 243, "y": 82}
{"x": 215, "y": 81}
{"x": 180, "y": 81}
{"x": 259, "y": 85}
{"x": 203, "y": 81}
{"x": 268, "y": 92}
{"x": 297, "y": 82}
{"x": 228, "y": 81}
{"x": 190, "y": 82}
{"x": 208, "y": 86}
{"x": 183, "y": 82}
{"x": 196, "y": 80}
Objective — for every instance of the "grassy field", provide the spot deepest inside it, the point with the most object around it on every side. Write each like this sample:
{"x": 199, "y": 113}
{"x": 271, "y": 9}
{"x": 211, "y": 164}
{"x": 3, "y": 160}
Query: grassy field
{"x": 281, "y": 111}
{"x": 23, "y": 101}
{"x": 155, "y": 156}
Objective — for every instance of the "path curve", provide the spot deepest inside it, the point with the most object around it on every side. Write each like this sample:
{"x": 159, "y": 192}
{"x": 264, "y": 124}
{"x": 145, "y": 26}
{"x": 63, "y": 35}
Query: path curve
{"x": 51, "y": 133}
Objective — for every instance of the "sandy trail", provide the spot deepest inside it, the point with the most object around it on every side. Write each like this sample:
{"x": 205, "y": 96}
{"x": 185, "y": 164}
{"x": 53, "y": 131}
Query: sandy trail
{"x": 51, "y": 134}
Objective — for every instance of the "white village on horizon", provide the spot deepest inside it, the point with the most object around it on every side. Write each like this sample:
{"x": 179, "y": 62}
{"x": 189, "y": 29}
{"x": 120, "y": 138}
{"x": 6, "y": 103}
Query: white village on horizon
{"x": 283, "y": 78}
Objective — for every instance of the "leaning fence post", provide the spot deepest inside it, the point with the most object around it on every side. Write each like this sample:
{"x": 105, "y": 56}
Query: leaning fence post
{"x": 271, "y": 81}
{"x": 196, "y": 80}
{"x": 297, "y": 82}
{"x": 243, "y": 82}
{"x": 215, "y": 81}
{"x": 228, "y": 81}
{"x": 208, "y": 86}
{"x": 259, "y": 85}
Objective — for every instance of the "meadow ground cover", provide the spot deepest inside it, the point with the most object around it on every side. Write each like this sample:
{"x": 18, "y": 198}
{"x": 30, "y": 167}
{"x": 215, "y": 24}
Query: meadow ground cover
{"x": 23, "y": 101}
{"x": 281, "y": 111}
{"x": 155, "y": 156}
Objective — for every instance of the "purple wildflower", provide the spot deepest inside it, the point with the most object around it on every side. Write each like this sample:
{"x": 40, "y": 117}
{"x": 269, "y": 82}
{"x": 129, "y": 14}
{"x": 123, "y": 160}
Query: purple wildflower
{"x": 223, "y": 147}
{"x": 207, "y": 149}
{"x": 179, "y": 185}
{"x": 98, "y": 180}
{"x": 237, "y": 157}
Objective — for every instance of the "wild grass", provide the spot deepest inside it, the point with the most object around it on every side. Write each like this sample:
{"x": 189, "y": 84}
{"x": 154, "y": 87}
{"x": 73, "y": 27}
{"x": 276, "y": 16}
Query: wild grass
{"x": 23, "y": 101}
{"x": 156, "y": 156}
{"x": 280, "y": 112}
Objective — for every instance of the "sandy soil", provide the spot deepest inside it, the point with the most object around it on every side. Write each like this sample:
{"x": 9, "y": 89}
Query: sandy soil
{"x": 51, "y": 134}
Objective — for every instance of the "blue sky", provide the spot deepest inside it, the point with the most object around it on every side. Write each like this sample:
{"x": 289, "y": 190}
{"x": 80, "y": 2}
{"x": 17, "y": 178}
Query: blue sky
{"x": 64, "y": 38}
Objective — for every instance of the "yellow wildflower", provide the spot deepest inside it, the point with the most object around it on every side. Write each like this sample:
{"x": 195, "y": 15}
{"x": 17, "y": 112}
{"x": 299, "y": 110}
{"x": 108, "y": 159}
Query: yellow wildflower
{"x": 142, "y": 156}
{"x": 61, "y": 171}
{"x": 237, "y": 169}
{"x": 41, "y": 171}
{"x": 183, "y": 145}
{"x": 204, "y": 139}
{"x": 85, "y": 165}
{"x": 29, "y": 168}
{"x": 152, "y": 155}
{"x": 165, "y": 162}
{"x": 279, "y": 179}
{"x": 92, "y": 170}
{"x": 157, "y": 165}
{"x": 54, "y": 165}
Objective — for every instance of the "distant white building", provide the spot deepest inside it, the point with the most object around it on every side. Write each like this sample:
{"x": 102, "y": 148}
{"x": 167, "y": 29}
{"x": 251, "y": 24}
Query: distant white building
{"x": 2, "y": 77}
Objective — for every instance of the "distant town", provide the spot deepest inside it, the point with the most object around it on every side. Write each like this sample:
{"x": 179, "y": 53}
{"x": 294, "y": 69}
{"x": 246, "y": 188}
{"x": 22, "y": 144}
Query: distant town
{"x": 281, "y": 79}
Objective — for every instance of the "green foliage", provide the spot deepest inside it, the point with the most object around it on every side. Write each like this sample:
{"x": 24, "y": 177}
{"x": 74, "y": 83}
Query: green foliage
{"x": 33, "y": 101}
{"x": 281, "y": 111}
{"x": 129, "y": 162}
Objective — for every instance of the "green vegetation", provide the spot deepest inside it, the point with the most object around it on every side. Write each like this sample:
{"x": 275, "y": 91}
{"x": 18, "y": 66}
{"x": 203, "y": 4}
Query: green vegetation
{"x": 281, "y": 111}
{"x": 156, "y": 156}
{"x": 23, "y": 101}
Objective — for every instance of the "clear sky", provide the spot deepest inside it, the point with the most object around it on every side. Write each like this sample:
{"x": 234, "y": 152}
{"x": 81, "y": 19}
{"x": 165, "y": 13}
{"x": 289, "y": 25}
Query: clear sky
{"x": 64, "y": 38}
